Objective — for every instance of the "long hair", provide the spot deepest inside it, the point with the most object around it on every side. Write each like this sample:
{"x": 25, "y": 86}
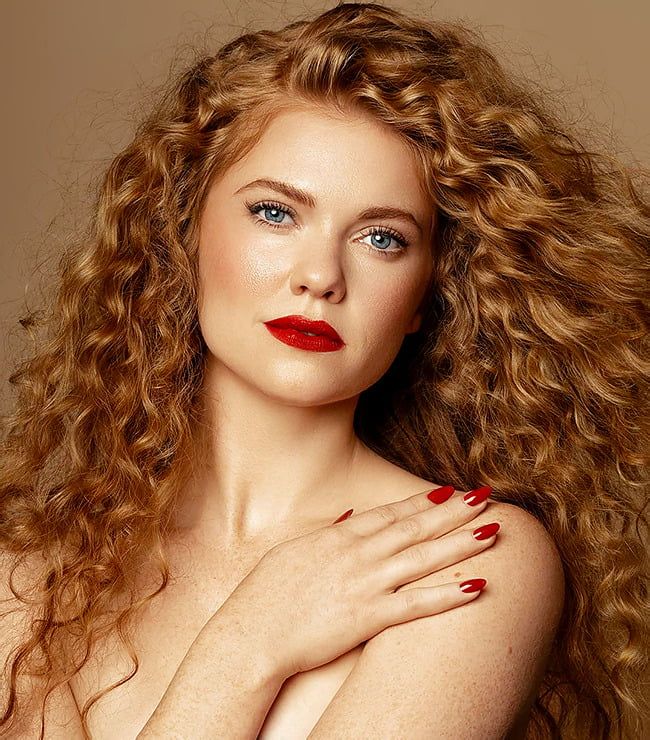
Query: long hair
{"x": 529, "y": 372}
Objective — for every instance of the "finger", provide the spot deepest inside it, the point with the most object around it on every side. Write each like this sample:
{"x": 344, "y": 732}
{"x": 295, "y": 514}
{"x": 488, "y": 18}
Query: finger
{"x": 413, "y": 603}
{"x": 379, "y": 517}
{"x": 429, "y": 524}
{"x": 428, "y": 557}
{"x": 343, "y": 516}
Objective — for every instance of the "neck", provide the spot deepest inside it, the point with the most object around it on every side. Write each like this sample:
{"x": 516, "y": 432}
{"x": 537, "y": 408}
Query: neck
{"x": 270, "y": 465}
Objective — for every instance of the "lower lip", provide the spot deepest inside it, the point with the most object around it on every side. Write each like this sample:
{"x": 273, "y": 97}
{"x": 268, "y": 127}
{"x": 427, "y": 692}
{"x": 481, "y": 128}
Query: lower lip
{"x": 295, "y": 338}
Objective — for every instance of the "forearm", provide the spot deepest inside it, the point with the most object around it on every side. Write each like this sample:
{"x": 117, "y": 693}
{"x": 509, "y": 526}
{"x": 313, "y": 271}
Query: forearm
{"x": 223, "y": 688}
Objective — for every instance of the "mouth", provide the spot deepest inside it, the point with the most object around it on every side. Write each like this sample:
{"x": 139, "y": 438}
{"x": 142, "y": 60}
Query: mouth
{"x": 307, "y": 327}
{"x": 303, "y": 333}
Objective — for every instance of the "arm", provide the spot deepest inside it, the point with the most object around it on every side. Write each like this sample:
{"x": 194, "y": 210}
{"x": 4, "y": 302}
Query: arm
{"x": 470, "y": 672}
{"x": 223, "y": 688}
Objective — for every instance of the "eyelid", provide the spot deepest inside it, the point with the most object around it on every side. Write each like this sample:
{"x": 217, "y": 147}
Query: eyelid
{"x": 273, "y": 204}
{"x": 385, "y": 229}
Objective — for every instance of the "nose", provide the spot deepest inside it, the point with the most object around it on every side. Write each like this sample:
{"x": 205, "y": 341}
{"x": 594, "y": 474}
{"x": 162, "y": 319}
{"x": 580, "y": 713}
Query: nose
{"x": 318, "y": 271}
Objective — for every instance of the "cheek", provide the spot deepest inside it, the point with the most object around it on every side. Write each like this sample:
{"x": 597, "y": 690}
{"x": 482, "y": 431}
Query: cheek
{"x": 391, "y": 305}
{"x": 229, "y": 269}
{"x": 255, "y": 270}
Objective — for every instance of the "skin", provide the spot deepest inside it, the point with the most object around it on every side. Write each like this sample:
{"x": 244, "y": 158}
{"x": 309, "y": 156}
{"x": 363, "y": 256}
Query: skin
{"x": 269, "y": 468}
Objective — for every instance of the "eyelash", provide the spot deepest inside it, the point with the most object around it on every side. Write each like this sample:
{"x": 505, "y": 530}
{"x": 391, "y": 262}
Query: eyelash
{"x": 255, "y": 208}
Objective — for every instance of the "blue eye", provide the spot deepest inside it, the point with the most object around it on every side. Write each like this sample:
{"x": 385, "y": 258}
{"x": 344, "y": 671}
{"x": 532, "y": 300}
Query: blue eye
{"x": 278, "y": 211}
{"x": 273, "y": 208}
{"x": 384, "y": 233}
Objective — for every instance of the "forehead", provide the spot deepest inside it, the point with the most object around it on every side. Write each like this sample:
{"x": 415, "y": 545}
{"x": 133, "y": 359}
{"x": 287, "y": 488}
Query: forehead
{"x": 333, "y": 155}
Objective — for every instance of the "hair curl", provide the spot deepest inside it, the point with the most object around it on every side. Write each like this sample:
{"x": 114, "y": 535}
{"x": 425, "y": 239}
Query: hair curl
{"x": 529, "y": 372}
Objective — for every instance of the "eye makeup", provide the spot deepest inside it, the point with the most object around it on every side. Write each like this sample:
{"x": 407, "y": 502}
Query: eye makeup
{"x": 255, "y": 208}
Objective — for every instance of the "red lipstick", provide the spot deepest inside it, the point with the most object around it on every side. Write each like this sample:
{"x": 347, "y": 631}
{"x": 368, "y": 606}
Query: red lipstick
{"x": 291, "y": 330}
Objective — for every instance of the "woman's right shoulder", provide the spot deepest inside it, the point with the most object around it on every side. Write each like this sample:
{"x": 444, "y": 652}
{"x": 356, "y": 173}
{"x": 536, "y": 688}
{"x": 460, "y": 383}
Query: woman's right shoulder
{"x": 62, "y": 718}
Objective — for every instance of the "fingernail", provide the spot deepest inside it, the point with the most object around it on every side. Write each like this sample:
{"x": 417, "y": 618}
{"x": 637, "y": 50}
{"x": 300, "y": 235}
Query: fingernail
{"x": 343, "y": 516}
{"x": 477, "y": 496}
{"x": 474, "y": 584}
{"x": 486, "y": 531}
{"x": 440, "y": 495}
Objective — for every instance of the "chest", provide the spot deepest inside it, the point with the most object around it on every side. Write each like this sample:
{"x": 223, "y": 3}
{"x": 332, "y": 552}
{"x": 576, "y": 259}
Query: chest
{"x": 162, "y": 637}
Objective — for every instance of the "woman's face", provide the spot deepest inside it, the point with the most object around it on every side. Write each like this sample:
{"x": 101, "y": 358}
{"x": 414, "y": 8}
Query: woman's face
{"x": 264, "y": 254}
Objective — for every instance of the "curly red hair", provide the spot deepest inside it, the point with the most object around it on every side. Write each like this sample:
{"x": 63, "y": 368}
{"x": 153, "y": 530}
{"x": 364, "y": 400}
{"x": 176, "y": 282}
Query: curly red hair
{"x": 529, "y": 372}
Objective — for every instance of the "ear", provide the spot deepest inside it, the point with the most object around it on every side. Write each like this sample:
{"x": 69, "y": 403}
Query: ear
{"x": 414, "y": 324}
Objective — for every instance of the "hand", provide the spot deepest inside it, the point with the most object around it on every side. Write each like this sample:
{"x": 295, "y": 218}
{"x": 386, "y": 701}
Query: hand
{"x": 317, "y": 596}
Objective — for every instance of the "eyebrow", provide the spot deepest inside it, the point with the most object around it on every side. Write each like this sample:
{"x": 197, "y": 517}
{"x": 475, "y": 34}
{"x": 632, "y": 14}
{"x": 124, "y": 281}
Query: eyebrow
{"x": 302, "y": 196}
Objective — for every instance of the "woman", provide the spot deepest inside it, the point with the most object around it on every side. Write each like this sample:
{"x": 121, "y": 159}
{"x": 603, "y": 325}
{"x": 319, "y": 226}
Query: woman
{"x": 483, "y": 279}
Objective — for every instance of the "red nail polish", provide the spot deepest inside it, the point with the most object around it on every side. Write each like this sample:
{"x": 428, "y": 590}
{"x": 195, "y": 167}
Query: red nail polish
{"x": 477, "y": 496}
{"x": 486, "y": 531}
{"x": 440, "y": 495}
{"x": 473, "y": 584}
{"x": 343, "y": 516}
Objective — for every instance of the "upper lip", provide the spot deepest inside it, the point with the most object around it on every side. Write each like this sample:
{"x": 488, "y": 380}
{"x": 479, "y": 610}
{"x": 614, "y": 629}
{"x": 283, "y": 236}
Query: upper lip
{"x": 302, "y": 323}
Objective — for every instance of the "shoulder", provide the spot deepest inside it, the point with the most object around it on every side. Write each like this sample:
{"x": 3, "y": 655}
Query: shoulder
{"x": 504, "y": 637}
{"x": 523, "y": 568}
{"x": 524, "y": 546}
{"x": 473, "y": 670}
{"x": 525, "y": 550}
{"x": 506, "y": 633}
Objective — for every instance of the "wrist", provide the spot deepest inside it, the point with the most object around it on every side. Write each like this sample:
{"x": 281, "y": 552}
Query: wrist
{"x": 250, "y": 641}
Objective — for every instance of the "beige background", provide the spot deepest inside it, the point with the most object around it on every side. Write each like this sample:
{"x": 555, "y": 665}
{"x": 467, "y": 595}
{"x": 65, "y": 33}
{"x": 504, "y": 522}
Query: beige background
{"x": 76, "y": 72}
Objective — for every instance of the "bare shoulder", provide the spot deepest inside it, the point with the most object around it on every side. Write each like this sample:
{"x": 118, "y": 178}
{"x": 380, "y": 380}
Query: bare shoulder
{"x": 501, "y": 639}
{"x": 473, "y": 670}
{"x": 524, "y": 563}
{"x": 62, "y": 718}
{"x": 524, "y": 568}
{"x": 523, "y": 541}
{"x": 524, "y": 548}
